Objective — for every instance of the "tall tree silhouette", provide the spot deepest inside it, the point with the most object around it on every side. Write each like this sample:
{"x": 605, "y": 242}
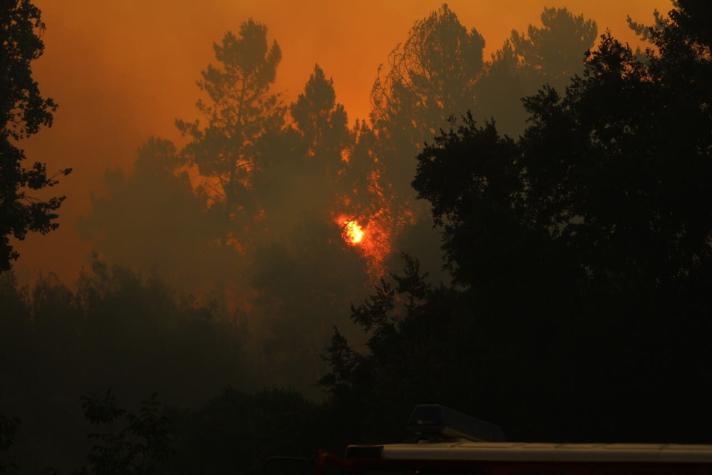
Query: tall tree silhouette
{"x": 23, "y": 111}
{"x": 304, "y": 158}
{"x": 321, "y": 121}
{"x": 602, "y": 213}
{"x": 300, "y": 265}
{"x": 412, "y": 101}
{"x": 323, "y": 128}
{"x": 240, "y": 109}
{"x": 429, "y": 78}
{"x": 550, "y": 54}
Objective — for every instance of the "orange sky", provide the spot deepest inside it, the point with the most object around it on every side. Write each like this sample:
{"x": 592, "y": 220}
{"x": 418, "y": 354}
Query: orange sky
{"x": 123, "y": 70}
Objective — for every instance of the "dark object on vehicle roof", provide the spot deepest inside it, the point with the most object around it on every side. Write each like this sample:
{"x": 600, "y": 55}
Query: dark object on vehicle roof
{"x": 433, "y": 422}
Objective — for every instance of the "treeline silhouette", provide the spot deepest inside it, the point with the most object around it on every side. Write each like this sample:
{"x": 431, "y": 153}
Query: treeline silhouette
{"x": 568, "y": 238}
{"x": 581, "y": 256}
{"x": 248, "y": 207}
{"x": 115, "y": 329}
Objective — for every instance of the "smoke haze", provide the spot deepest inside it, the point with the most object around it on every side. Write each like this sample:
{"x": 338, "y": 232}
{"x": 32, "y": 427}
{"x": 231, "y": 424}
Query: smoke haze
{"x": 292, "y": 221}
{"x": 123, "y": 71}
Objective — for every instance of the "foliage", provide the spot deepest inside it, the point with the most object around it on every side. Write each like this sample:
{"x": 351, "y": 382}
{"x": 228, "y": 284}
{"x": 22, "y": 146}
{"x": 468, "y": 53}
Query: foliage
{"x": 8, "y": 429}
{"x": 303, "y": 287}
{"x": 240, "y": 110}
{"x": 275, "y": 253}
{"x": 412, "y": 352}
{"x": 114, "y": 328}
{"x": 321, "y": 121}
{"x": 582, "y": 260}
{"x": 411, "y": 109}
{"x": 429, "y": 78}
{"x": 131, "y": 443}
{"x": 578, "y": 247}
{"x": 550, "y": 54}
{"x": 236, "y": 431}
{"x": 23, "y": 111}
{"x": 296, "y": 176}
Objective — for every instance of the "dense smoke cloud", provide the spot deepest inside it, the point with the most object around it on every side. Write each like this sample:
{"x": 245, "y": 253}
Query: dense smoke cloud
{"x": 246, "y": 179}
{"x": 256, "y": 203}
{"x": 123, "y": 71}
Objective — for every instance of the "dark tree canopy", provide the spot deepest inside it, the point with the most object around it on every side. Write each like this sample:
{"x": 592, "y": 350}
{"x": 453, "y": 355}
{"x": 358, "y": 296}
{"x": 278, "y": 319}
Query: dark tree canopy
{"x": 273, "y": 250}
{"x": 428, "y": 79}
{"x": 555, "y": 51}
{"x": 548, "y": 54}
{"x": 412, "y": 102}
{"x": 8, "y": 428}
{"x": 582, "y": 259}
{"x": 23, "y": 111}
{"x": 620, "y": 195}
{"x": 576, "y": 249}
{"x": 239, "y": 111}
{"x": 694, "y": 17}
{"x": 134, "y": 444}
{"x": 322, "y": 122}
{"x": 297, "y": 167}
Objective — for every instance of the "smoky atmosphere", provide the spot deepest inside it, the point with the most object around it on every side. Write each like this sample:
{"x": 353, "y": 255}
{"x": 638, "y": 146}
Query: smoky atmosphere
{"x": 293, "y": 237}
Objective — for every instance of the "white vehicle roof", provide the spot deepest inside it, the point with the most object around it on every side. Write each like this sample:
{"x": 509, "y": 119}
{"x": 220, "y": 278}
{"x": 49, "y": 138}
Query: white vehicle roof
{"x": 546, "y": 452}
